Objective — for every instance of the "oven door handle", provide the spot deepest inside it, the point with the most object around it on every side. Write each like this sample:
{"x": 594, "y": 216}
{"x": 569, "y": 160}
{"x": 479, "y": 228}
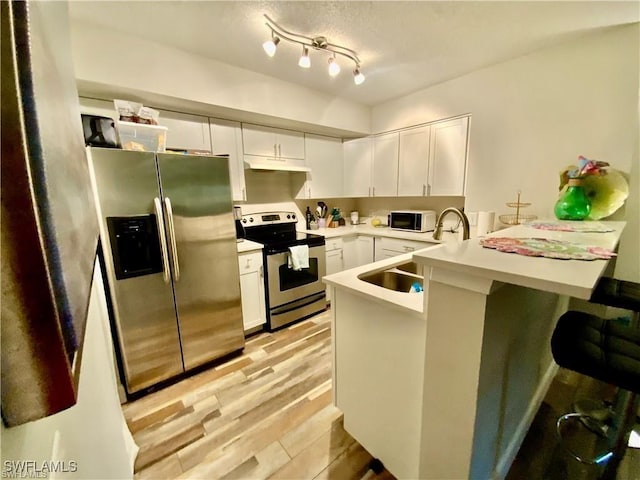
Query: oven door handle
{"x": 295, "y": 305}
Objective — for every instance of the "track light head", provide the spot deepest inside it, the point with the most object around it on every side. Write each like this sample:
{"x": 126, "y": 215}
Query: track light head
{"x": 334, "y": 68}
{"x": 271, "y": 45}
{"x": 358, "y": 77}
{"x": 305, "y": 61}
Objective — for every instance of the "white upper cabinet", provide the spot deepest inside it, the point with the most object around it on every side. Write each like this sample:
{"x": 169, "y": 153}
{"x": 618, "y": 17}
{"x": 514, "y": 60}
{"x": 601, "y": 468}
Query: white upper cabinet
{"x": 186, "y": 132}
{"x": 323, "y": 155}
{"x": 385, "y": 165}
{"x": 272, "y": 142}
{"x": 448, "y": 157}
{"x": 414, "y": 162}
{"x": 102, "y": 108}
{"x": 227, "y": 140}
{"x": 433, "y": 159}
{"x": 358, "y": 159}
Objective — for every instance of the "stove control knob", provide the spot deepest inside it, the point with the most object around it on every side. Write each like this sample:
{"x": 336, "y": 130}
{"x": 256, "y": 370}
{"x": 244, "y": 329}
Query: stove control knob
{"x": 251, "y": 219}
{"x": 288, "y": 217}
{"x": 244, "y": 220}
{"x": 293, "y": 216}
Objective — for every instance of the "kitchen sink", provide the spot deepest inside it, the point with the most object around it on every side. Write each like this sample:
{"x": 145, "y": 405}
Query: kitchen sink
{"x": 392, "y": 280}
{"x": 411, "y": 267}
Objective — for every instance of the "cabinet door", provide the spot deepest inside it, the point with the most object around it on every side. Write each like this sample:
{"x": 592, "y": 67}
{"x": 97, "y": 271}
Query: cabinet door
{"x": 226, "y": 138}
{"x": 385, "y": 165}
{"x": 413, "y": 164}
{"x": 448, "y": 157}
{"x": 323, "y": 156}
{"x": 103, "y": 108}
{"x": 350, "y": 252}
{"x": 259, "y": 140}
{"x": 252, "y": 290}
{"x": 186, "y": 132}
{"x": 364, "y": 246}
{"x": 334, "y": 265}
{"x": 290, "y": 144}
{"x": 357, "y": 167}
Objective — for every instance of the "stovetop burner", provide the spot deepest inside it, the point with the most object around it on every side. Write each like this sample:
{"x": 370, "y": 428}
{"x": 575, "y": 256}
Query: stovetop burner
{"x": 277, "y": 231}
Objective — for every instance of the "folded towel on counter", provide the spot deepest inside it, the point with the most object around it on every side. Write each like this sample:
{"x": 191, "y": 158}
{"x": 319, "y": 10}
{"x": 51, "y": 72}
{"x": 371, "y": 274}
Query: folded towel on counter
{"x": 298, "y": 257}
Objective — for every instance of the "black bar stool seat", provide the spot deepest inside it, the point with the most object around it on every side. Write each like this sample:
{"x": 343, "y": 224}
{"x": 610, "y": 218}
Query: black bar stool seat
{"x": 600, "y": 348}
{"x": 608, "y": 351}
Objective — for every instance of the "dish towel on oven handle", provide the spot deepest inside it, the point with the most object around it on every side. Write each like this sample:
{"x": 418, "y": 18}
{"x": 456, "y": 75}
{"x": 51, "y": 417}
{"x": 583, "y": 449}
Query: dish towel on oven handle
{"x": 298, "y": 257}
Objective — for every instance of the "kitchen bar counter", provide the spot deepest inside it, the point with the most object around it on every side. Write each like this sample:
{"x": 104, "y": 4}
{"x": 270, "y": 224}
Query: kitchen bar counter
{"x": 575, "y": 278}
{"x": 450, "y": 392}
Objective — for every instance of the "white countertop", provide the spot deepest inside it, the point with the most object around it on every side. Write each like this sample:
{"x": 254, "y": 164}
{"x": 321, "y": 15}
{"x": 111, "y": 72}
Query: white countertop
{"x": 576, "y": 278}
{"x": 248, "y": 246}
{"x": 367, "y": 229}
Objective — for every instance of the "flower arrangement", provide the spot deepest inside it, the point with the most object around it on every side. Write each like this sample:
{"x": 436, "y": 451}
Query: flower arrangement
{"x": 585, "y": 168}
{"x": 606, "y": 188}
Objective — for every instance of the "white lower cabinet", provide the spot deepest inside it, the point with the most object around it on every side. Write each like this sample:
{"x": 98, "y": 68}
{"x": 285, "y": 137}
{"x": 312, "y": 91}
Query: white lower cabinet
{"x": 334, "y": 258}
{"x": 254, "y": 312}
{"x": 358, "y": 250}
{"x": 390, "y": 247}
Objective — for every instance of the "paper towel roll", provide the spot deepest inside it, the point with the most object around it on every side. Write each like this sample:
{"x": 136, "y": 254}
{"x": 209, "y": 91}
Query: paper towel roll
{"x": 486, "y": 220}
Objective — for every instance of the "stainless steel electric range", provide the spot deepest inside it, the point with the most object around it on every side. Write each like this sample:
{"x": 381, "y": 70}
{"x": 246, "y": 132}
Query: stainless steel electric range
{"x": 291, "y": 295}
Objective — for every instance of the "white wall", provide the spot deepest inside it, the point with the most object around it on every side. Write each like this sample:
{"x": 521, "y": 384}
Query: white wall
{"x": 93, "y": 433}
{"x": 117, "y": 62}
{"x": 534, "y": 115}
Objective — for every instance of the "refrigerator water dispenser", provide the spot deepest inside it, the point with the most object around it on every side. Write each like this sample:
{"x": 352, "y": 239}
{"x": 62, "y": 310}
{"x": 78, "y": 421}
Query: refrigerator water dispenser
{"x": 135, "y": 245}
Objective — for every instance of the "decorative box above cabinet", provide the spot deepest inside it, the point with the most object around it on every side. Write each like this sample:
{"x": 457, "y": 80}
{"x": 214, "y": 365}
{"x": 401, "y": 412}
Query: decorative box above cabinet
{"x": 272, "y": 142}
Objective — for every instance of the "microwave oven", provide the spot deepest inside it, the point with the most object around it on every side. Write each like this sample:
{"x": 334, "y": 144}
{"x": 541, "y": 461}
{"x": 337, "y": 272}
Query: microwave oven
{"x": 413, "y": 220}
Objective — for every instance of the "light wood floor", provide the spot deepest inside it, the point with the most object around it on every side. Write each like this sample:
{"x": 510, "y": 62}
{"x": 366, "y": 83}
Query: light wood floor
{"x": 268, "y": 414}
{"x": 265, "y": 414}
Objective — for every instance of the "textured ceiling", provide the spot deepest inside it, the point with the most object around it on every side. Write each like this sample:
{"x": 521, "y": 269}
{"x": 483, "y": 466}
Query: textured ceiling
{"x": 403, "y": 46}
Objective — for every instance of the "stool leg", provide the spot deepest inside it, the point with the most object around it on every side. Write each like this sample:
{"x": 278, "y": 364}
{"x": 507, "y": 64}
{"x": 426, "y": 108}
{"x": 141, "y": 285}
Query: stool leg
{"x": 628, "y": 408}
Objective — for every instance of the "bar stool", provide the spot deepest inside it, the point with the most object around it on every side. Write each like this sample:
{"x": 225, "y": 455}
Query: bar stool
{"x": 608, "y": 351}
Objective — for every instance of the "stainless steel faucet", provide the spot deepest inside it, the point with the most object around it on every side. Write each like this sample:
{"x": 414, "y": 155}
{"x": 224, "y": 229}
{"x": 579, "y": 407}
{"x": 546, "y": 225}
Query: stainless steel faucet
{"x": 437, "y": 235}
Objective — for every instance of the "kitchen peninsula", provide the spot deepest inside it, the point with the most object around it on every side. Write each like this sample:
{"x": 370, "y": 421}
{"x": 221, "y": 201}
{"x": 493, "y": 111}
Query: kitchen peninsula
{"x": 449, "y": 391}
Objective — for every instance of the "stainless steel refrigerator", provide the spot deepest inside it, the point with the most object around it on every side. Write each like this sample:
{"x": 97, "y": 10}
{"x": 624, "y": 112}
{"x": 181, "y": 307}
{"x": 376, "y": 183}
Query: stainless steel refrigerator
{"x": 169, "y": 246}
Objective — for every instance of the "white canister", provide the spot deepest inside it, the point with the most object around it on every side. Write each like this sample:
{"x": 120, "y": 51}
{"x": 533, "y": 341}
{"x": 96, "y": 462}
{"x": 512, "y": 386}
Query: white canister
{"x": 486, "y": 221}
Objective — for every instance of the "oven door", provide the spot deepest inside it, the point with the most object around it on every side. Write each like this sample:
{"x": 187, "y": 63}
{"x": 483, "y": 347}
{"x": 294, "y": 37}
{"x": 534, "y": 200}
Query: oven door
{"x": 287, "y": 285}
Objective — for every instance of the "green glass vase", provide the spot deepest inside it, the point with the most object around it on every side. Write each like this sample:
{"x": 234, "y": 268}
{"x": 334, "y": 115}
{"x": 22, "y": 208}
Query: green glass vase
{"x": 573, "y": 204}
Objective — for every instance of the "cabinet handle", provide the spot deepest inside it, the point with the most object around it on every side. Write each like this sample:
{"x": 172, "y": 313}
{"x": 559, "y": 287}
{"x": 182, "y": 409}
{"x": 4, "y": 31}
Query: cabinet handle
{"x": 428, "y": 189}
{"x": 369, "y": 194}
{"x": 261, "y": 271}
{"x": 424, "y": 189}
{"x": 309, "y": 192}
{"x": 275, "y": 150}
{"x": 244, "y": 194}
{"x": 374, "y": 191}
{"x": 279, "y": 150}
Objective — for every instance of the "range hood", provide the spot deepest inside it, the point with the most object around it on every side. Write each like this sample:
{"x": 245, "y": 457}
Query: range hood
{"x": 266, "y": 163}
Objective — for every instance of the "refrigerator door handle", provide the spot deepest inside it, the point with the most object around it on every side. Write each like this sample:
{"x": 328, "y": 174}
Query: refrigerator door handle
{"x": 163, "y": 240}
{"x": 172, "y": 238}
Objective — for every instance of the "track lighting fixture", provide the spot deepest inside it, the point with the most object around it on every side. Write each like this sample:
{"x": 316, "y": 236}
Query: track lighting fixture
{"x": 316, "y": 43}
{"x": 334, "y": 68}
{"x": 305, "y": 61}
{"x": 271, "y": 44}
